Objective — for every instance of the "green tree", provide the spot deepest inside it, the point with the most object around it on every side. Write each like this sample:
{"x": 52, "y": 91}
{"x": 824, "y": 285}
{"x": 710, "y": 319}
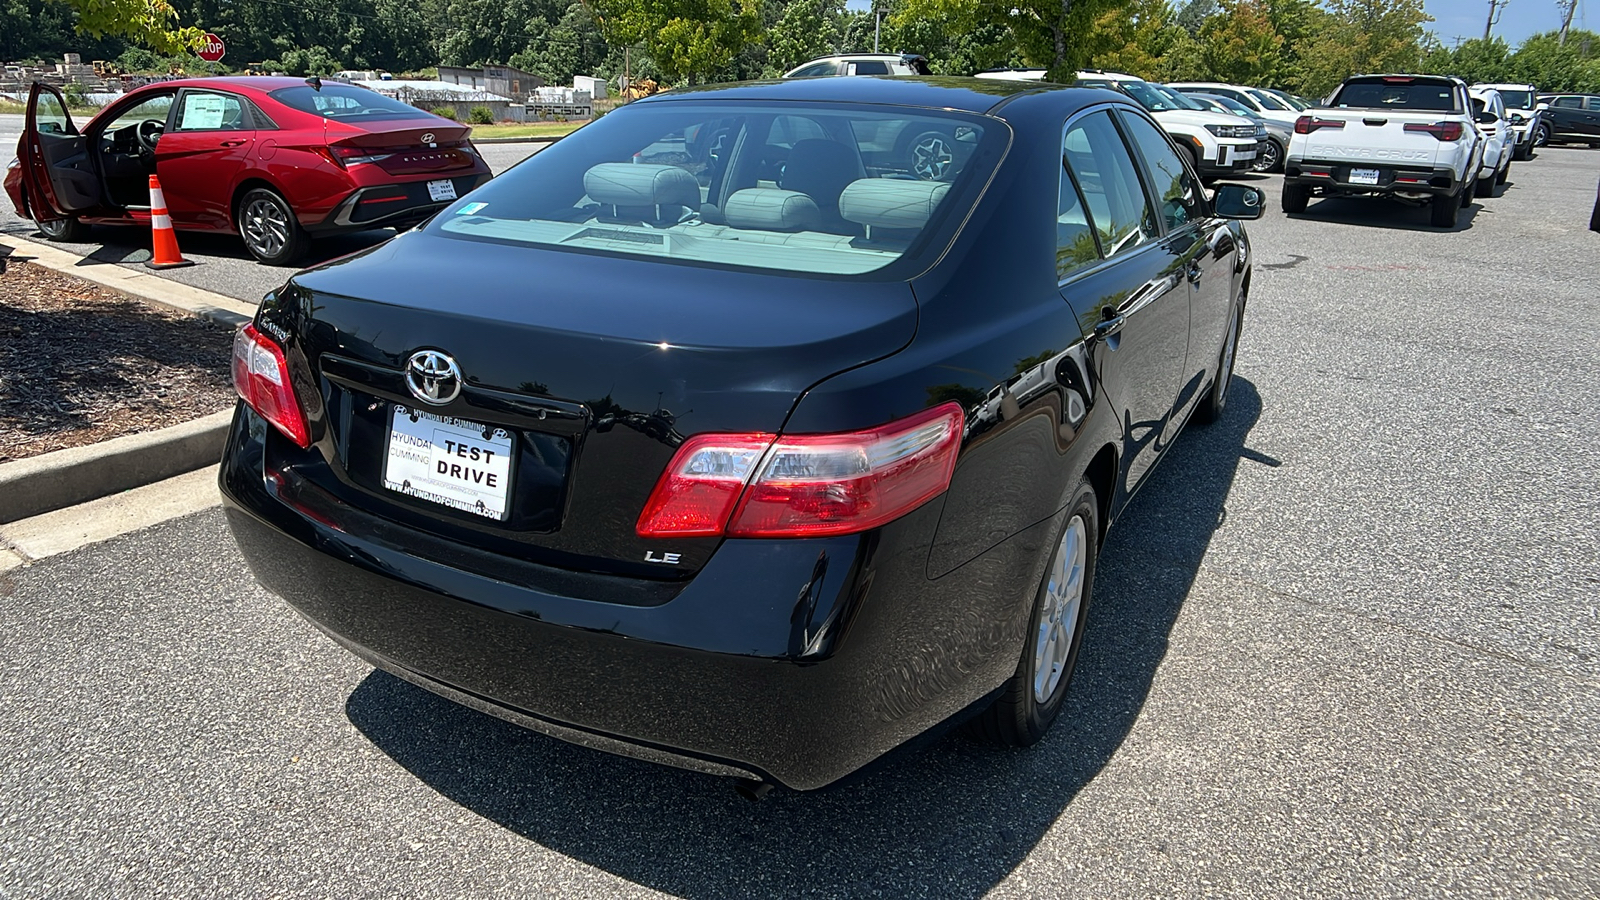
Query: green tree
{"x": 1361, "y": 36}
{"x": 149, "y": 23}
{"x": 687, "y": 40}
{"x": 1241, "y": 45}
{"x": 1544, "y": 61}
{"x": 1055, "y": 34}
{"x": 1138, "y": 39}
{"x": 808, "y": 29}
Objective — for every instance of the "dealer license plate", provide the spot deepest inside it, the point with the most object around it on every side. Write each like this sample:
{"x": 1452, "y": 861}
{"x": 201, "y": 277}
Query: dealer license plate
{"x": 443, "y": 189}
{"x": 449, "y": 461}
{"x": 1363, "y": 176}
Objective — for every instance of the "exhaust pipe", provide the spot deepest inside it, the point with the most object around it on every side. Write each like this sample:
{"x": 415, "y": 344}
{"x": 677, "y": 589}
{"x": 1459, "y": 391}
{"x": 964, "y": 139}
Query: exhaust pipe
{"x": 754, "y": 791}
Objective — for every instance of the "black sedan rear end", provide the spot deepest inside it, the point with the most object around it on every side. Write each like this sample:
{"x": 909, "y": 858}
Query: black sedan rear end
{"x": 682, "y": 440}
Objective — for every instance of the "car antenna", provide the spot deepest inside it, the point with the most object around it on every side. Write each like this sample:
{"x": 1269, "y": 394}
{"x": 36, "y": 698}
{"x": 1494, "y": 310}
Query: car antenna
{"x": 315, "y": 82}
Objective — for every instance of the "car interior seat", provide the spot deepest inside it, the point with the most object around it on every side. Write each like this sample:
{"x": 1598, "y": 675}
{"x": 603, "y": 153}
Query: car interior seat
{"x": 820, "y": 169}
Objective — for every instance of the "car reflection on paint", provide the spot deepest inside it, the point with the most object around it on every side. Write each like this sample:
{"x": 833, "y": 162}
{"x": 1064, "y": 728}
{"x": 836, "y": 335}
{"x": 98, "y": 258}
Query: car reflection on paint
{"x": 891, "y": 417}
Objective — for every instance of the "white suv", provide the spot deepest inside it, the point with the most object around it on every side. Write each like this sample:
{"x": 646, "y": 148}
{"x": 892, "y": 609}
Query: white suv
{"x": 862, "y": 64}
{"x": 1218, "y": 144}
{"x": 1525, "y": 112}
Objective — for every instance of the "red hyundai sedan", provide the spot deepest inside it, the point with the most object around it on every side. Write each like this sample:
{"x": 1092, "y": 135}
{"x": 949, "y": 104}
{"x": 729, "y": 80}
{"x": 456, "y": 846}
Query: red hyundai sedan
{"x": 278, "y": 161}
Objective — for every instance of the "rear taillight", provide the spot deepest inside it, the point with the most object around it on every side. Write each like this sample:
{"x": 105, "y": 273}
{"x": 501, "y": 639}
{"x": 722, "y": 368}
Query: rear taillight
{"x": 761, "y": 485}
{"x": 1308, "y": 124}
{"x": 1444, "y": 131}
{"x": 344, "y": 155}
{"x": 261, "y": 376}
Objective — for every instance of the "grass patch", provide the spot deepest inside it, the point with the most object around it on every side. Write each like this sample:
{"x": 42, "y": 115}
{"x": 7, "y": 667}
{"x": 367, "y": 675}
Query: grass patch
{"x": 530, "y": 129}
{"x": 14, "y": 108}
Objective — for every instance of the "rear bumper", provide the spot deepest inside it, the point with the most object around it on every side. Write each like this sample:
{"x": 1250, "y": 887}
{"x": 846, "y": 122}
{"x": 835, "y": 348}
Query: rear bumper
{"x": 393, "y": 205}
{"x": 795, "y": 661}
{"x": 1336, "y": 178}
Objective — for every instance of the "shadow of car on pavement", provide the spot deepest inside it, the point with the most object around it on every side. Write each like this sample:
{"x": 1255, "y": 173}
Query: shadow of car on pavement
{"x": 942, "y": 817}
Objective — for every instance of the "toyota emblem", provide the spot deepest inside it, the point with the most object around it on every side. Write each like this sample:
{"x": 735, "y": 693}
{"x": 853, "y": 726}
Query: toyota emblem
{"x": 433, "y": 377}
{"x": 427, "y": 138}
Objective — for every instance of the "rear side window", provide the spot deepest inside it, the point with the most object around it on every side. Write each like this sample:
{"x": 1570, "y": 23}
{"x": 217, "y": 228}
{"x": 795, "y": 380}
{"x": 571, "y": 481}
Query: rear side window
{"x": 339, "y": 101}
{"x": 1426, "y": 96}
{"x": 1103, "y": 204}
{"x": 1591, "y": 103}
{"x": 869, "y": 67}
{"x": 211, "y": 111}
{"x": 839, "y": 190}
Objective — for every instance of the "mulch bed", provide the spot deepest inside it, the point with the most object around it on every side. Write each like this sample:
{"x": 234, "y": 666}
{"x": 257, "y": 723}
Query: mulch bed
{"x": 81, "y": 364}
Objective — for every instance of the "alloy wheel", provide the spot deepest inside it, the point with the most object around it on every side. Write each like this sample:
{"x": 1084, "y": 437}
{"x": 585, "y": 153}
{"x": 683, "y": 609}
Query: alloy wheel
{"x": 266, "y": 227}
{"x": 931, "y": 157}
{"x": 1267, "y": 160}
{"x": 1058, "y": 619}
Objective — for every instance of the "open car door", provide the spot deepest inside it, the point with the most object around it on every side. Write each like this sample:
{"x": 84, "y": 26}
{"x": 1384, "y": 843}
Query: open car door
{"x": 56, "y": 165}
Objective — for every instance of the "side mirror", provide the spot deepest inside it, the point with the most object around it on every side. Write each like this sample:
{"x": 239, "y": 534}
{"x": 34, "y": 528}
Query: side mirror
{"x": 1541, "y": 107}
{"x": 1237, "y": 201}
{"x": 1487, "y": 118}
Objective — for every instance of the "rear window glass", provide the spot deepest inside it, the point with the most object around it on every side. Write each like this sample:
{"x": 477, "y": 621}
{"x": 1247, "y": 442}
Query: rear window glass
{"x": 1428, "y": 96}
{"x": 1517, "y": 99}
{"x": 338, "y": 101}
{"x": 831, "y": 190}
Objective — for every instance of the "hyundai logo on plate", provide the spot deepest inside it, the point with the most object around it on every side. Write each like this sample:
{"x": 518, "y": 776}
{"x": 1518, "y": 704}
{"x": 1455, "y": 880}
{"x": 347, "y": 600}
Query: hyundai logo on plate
{"x": 433, "y": 377}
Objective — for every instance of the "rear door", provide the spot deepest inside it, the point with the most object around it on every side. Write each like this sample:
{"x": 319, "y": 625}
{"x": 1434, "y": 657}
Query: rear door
{"x": 1120, "y": 270}
{"x": 1203, "y": 246}
{"x": 202, "y": 154}
{"x": 56, "y": 166}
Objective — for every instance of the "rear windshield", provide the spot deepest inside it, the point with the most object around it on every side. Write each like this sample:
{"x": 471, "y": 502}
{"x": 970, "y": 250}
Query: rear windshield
{"x": 1517, "y": 99}
{"x": 341, "y": 101}
{"x": 828, "y": 189}
{"x": 1381, "y": 93}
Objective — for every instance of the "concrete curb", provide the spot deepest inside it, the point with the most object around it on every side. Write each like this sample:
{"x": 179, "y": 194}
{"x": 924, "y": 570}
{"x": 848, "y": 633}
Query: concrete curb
{"x": 144, "y": 286}
{"x": 51, "y": 481}
{"x": 519, "y": 140}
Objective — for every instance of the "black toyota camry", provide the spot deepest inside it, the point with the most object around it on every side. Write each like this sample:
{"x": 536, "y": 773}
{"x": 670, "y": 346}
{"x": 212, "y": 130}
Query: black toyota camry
{"x": 753, "y": 429}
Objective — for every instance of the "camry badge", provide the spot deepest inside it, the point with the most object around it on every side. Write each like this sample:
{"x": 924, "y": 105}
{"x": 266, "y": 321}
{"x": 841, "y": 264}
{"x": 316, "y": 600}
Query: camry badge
{"x": 433, "y": 377}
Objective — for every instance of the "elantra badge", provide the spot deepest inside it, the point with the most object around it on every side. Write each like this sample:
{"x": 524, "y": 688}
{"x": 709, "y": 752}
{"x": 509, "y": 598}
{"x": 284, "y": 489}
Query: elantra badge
{"x": 433, "y": 377}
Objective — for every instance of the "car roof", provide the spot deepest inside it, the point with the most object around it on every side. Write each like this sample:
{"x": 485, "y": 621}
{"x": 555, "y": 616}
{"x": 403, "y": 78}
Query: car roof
{"x": 973, "y": 95}
{"x": 258, "y": 83}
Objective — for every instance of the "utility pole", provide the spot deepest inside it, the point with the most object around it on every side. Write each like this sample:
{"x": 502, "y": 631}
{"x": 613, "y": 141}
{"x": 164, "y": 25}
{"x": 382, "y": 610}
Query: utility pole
{"x": 877, "y": 22}
{"x": 1497, "y": 8}
{"x": 1568, "y": 7}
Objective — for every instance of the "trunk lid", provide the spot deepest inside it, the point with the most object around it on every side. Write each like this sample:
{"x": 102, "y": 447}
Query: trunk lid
{"x": 405, "y": 147}
{"x": 596, "y": 368}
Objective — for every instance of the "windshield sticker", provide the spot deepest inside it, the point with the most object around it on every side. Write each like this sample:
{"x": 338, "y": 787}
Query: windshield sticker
{"x": 470, "y": 208}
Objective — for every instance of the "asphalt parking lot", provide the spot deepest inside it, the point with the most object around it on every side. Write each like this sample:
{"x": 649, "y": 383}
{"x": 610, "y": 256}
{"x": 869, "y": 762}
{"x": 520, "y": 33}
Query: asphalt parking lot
{"x": 1345, "y": 643}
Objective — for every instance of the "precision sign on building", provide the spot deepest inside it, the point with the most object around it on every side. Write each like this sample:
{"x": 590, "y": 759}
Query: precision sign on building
{"x": 213, "y": 49}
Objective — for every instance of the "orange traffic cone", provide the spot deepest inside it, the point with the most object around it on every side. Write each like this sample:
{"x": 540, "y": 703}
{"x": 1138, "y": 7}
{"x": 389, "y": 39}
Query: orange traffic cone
{"x": 163, "y": 240}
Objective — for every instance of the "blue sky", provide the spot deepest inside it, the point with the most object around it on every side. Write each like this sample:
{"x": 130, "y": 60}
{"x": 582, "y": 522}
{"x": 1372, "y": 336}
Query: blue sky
{"x": 1465, "y": 18}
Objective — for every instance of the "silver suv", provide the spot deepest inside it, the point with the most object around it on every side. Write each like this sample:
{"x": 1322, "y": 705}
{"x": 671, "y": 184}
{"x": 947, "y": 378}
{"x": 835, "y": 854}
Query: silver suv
{"x": 863, "y": 64}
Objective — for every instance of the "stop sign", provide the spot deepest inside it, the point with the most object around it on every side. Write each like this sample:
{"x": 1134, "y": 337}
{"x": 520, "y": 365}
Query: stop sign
{"x": 212, "y": 50}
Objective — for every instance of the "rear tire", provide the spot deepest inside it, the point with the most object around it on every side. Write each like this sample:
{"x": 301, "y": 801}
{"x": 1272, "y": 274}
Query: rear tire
{"x": 1504, "y": 173}
{"x": 1445, "y": 208}
{"x": 1270, "y": 159}
{"x": 1483, "y": 187}
{"x": 1295, "y": 197}
{"x": 1032, "y": 697}
{"x": 270, "y": 229}
{"x": 69, "y": 230}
